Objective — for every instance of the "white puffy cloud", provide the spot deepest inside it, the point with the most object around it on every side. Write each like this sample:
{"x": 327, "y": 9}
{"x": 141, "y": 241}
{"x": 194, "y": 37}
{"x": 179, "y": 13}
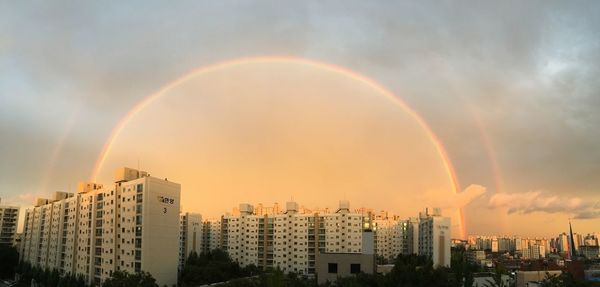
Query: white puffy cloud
{"x": 458, "y": 200}
{"x": 541, "y": 201}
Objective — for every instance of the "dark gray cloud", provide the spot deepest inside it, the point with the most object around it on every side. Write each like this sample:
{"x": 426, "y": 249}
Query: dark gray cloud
{"x": 588, "y": 215}
{"x": 524, "y": 72}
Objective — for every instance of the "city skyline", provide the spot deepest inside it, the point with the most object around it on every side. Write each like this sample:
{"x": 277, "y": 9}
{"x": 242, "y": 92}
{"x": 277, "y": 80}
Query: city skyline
{"x": 95, "y": 233}
{"x": 136, "y": 225}
{"x": 279, "y": 208}
{"x": 492, "y": 116}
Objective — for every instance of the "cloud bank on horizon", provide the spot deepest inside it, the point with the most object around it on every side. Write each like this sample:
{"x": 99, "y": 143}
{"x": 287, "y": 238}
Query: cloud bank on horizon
{"x": 542, "y": 201}
{"x": 521, "y": 203}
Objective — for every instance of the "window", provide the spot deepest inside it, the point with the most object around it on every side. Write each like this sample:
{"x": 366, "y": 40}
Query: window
{"x": 332, "y": 268}
{"x": 354, "y": 268}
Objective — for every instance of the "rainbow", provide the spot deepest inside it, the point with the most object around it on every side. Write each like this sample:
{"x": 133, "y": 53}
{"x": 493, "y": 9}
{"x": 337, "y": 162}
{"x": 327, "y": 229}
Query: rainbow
{"x": 485, "y": 137}
{"x": 290, "y": 60}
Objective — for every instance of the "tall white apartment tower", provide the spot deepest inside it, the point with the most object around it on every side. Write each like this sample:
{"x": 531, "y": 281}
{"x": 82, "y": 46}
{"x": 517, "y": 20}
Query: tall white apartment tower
{"x": 434, "y": 236}
{"x": 9, "y": 217}
{"x": 190, "y": 236}
{"x": 130, "y": 226}
{"x": 45, "y": 232}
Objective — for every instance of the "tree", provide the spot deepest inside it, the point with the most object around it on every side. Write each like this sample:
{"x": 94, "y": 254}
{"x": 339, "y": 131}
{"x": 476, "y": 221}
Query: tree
{"x": 360, "y": 280}
{"x": 461, "y": 268}
{"x": 498, "y": 281}
{"x": 276, "y": 278}
{"x": 414, "y": 270}
{"x": 552, "y": 280}
{"x": 9, "y": 259}
{"x": 124, "y": 279}
{"x": 565, "y": 279}
{"x": 211, "y": 267}
{"x": 243, "y": 282}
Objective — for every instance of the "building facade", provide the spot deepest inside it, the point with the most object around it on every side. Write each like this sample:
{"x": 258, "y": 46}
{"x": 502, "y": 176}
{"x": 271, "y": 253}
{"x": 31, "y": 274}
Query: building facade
{"x": 389, "y": 237}
{"x": 190, "y": 236}
{"x": 434, "y": 236}
{"x": 132, "y": 225}
{"x": 211, "y": 235}
{"x": 332, "y": 266}
{"x": 292, "y": 239}
{"x": 9, "y": 218}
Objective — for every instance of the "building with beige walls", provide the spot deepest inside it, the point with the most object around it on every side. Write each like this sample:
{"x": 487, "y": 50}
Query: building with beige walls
{"x": 434, "y": 236}
{"x": 291, "y": 239}
{"x": 131, "y": 225}
{"x": 331, "y": 266}
{"x": 393, "y": 236}
{"x": 211, "y": 235}
{"x": 190, "y": 236}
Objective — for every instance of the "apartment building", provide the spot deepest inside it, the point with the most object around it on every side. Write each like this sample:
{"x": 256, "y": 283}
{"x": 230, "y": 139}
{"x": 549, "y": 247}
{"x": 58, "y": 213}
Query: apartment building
{"x": 9, "y": 218}
{"x": 394, "y": 236}
{"x": 534, "y": 252}
{"x": 190, "y": 236}
{"x": 131, "y": 225}
{"x": 211, "y": 235}
{"x": 434, "y": 236}
{"x": 390, "y": 237}
{"x": 291, "y": 239}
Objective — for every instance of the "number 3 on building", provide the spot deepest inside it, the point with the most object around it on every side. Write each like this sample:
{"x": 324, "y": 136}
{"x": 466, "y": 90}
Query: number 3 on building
{"x": 164, "y": 210}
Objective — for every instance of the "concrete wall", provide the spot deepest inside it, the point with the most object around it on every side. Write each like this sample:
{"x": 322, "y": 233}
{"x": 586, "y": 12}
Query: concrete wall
{"x": 160, "y": 229}
{"x": 343, "y": 261}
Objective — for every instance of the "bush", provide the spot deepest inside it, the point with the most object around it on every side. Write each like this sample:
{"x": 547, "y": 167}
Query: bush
{"x": 124, "y": 279}
{"x": 9, "y": 259}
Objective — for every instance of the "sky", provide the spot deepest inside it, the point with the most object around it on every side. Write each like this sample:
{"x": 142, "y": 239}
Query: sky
{"x": 509, "y": 89}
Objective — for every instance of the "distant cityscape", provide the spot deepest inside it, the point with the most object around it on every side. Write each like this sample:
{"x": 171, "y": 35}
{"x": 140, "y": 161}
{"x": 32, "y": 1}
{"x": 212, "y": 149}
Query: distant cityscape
{"x": 136, "y": 225}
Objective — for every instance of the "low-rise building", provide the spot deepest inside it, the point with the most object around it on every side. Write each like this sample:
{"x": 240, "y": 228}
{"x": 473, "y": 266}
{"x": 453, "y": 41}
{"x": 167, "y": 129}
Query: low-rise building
{"x": 331, "y": 266}
{"x": 590, "y": 252}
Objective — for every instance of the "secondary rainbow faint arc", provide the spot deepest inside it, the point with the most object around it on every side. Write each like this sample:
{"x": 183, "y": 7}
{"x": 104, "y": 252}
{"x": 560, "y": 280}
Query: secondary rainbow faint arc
{"x": 290, "y": 60}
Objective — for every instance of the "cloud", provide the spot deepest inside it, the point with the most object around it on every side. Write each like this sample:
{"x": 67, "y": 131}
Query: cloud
{"x": 458, "y": 200}
{"x": 588, "y": 215}
{"x": 541, "y": 201}
{"x": 528, "y": 71}
{"x": 23, "y": 199}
